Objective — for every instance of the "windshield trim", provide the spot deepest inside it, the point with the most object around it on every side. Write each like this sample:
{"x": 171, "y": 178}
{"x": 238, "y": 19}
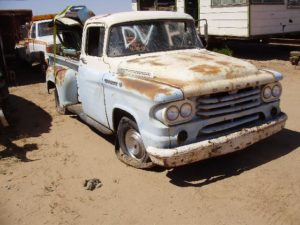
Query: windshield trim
{"x": 201, "y": 46}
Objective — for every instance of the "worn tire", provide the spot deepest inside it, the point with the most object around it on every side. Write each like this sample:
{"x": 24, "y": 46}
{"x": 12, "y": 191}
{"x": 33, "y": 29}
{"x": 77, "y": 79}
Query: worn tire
{"x": 131, "y": 149}
{"x": 61, "y": 110}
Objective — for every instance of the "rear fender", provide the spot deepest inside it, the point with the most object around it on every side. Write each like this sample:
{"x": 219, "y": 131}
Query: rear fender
{"x": 65, "y": 81}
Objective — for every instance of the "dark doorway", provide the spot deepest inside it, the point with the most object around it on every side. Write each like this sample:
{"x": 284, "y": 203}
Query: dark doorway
{"x": 192, "y": 8}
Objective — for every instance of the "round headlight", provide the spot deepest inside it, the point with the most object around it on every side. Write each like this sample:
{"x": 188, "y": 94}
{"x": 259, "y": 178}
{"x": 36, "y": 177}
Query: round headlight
{"x": 276, "y": 91}
{"x": 267, "y": 93}
{"x": 172, "y": 113}
{"x": 186, "y": 110}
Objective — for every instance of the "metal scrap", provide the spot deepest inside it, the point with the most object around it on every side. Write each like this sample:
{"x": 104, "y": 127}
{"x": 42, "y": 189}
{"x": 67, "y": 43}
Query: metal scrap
{"x": 92, "y": 184}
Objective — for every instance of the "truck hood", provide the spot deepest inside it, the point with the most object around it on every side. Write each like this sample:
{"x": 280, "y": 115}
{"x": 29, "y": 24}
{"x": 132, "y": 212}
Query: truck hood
{"x": 196, "y": 72}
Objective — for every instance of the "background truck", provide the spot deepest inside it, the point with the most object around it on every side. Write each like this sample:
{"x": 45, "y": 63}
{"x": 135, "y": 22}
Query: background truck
{"x": 37, "y": 41}
{"x": 146, "y": 77}
{"x": 10, "y": 34}
{"x": 10, "y": 23}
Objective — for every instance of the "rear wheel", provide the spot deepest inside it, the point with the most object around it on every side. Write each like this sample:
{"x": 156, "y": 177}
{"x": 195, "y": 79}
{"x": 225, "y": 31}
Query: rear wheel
{"x": 60, "y": 109}
{"x": 132, "y": 150}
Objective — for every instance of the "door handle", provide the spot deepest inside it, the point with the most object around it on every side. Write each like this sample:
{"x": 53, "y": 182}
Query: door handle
{"x": 83, "y": 60}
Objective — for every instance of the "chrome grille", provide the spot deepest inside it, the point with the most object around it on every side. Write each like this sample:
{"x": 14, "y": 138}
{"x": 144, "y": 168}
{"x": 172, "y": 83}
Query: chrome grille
{"x": 221, "y": 110}
{"x": 228, "y": 124}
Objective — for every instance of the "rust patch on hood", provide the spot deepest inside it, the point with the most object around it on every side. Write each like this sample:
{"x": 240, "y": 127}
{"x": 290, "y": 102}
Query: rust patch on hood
{"x": 206, "y": 69}
{"x": 204, "y": 57}
{"x": 191, "y": 57}
{"x": 152, "y": 60}
{"x": 145, "y": 87}
{"x": 156, "y": 63}
{"x": 178, "y": 83}
{"x": 224, "y": 63}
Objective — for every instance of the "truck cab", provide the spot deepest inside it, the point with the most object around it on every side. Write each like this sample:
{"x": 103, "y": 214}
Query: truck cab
{"x": 40, "y": 35}
{"x": 145, "y": 77}
{"x": 37, "y": 42}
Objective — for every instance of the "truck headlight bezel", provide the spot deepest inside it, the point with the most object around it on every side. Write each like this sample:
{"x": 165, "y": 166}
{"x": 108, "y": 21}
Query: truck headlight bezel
{"x": 276, "y": 91}
{"x": 186, "y": 110}
{"x": 172, "y": 113}
{"x": 271, "y": 92}
{"x": 183, "y": 111}
{"x": 267, "y": 92}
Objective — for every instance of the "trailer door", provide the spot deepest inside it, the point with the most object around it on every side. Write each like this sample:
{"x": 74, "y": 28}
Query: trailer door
{"x": 192, "y": 8}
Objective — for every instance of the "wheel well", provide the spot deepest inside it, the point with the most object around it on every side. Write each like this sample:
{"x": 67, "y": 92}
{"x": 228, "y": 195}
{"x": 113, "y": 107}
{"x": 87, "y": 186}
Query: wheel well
{"x": 117, "y": 116}
{"x": 50, "y": 85}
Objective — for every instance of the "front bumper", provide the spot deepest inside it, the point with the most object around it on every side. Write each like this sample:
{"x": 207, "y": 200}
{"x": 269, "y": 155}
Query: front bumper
{"x": 215, "y": 147}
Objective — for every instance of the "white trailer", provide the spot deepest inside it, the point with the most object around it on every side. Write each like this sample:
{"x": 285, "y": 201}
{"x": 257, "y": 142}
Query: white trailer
{"x": 235, "y": 18}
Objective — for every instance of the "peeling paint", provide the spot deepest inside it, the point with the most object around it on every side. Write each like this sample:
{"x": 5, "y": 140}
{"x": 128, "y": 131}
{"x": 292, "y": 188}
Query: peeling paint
{"x": 225, "y": 63}
{"x": 207, "y": 69}
{"x": 143, "y": 87}
{"x": 60, "y": 75}
{"x": 152, "y": 60}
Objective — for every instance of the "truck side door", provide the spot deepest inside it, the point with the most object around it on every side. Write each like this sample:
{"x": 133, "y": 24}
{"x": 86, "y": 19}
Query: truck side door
{"x": 91, "y": 71}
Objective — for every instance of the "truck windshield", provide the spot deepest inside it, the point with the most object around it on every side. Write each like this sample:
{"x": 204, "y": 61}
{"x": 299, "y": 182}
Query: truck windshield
{"x": 44, "y": 29}
{"x": 153, "y": 36}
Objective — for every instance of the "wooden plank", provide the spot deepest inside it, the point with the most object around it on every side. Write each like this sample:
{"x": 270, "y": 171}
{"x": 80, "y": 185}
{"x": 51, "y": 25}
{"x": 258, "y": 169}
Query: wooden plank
{"x": 43, "y": 17}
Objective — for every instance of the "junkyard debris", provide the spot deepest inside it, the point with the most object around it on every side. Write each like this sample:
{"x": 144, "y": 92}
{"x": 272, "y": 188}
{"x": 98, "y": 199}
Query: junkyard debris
{"x": 295, "y": 57}
{"x": 92, "y": 184}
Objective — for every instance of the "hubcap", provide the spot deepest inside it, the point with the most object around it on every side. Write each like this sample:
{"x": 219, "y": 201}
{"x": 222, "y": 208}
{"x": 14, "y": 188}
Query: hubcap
{"x": 134, "y": 145}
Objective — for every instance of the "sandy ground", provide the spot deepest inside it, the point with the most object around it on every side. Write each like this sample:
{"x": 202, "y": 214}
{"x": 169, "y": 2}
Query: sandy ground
{"x": 42, "y": 171}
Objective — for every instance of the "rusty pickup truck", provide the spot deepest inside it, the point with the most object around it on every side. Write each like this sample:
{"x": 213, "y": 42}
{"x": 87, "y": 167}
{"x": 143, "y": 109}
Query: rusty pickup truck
{"x": 146, "y": 77}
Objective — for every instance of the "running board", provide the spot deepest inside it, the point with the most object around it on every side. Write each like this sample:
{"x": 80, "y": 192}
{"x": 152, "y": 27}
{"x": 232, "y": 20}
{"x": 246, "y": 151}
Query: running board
{"x": 77, "y": 109}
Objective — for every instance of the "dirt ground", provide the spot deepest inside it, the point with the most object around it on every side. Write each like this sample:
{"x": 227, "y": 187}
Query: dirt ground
{"x": 43, "y": 168}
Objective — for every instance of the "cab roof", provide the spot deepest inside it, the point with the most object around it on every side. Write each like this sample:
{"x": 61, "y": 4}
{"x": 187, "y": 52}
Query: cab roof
{"x": 123, "y": 17}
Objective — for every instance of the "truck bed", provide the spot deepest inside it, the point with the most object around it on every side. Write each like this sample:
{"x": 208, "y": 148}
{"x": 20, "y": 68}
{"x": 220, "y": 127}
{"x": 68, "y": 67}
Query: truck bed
{"x": 64, "y": 61}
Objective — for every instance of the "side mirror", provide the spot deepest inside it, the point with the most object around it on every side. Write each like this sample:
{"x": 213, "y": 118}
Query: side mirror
{"x": 205, "y": 30}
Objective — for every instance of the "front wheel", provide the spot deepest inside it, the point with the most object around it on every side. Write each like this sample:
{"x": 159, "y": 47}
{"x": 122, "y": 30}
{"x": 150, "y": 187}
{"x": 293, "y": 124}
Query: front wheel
{"x": 132, "y": 150}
